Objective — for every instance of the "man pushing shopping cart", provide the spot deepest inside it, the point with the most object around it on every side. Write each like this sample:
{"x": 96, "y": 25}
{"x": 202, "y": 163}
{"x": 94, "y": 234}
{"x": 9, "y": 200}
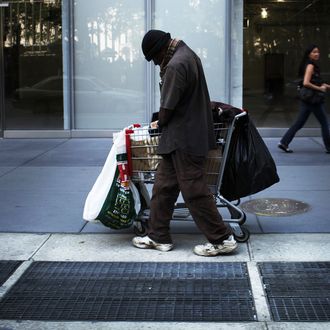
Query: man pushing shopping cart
{"x": 187, "y": 136}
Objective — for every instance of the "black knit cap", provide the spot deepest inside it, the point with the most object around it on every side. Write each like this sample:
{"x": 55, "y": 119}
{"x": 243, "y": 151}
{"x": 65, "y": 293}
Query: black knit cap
{"x": 153, "y": 42}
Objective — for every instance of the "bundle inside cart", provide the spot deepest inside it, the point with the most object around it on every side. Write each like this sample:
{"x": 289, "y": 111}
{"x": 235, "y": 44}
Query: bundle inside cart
{"x": 144, "y": 150}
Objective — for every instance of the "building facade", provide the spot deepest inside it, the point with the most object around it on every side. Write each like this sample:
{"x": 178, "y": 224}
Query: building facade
{"x": 74, "y": 68}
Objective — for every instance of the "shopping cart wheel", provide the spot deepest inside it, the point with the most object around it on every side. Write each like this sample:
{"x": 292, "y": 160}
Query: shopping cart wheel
{"x": 242, "y": 238}
{"x": 140, "y": 228}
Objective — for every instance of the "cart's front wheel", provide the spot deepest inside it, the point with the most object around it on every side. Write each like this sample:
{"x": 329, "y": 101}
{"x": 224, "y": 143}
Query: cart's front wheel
{"x": 244, "y": 237}
{"x": 140, "y": 228}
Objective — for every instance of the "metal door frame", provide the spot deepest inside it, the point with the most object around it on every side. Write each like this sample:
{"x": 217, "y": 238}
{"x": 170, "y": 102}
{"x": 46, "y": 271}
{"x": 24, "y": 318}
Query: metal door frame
{"x": 2, "y": 73}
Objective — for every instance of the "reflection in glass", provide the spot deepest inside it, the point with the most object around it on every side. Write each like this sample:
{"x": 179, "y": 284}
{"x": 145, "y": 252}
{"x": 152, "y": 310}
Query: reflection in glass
{"x": 109, "y": 68}
{"x": 33, "y": 65}
{"x": 202, "y": 26}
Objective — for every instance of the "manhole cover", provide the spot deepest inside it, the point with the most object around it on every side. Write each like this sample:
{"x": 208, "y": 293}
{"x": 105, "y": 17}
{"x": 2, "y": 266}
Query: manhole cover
{"x": 275, "y": 207}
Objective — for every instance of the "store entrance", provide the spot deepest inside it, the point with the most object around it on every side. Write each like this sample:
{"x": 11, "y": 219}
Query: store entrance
{"x": 276, "y": 34}
{"x": 31, "y": 64}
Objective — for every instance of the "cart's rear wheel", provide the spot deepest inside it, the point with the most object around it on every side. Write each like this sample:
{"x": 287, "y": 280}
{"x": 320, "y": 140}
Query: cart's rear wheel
{"x": 140, "y": 228}
{"x": 244, "y": 237}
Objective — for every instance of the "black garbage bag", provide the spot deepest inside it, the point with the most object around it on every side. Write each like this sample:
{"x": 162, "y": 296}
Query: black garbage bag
{"x": 250, "y": 167}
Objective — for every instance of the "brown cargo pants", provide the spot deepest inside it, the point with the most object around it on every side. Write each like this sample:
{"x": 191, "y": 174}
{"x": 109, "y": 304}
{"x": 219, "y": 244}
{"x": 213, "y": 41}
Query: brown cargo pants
{"x": 177, "y": 172}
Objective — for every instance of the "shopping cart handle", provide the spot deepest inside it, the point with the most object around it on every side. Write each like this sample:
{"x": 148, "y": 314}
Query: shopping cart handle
{"x": 243, "y": 113}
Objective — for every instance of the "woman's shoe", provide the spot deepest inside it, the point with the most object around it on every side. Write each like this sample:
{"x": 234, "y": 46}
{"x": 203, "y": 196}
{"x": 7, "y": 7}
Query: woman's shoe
{"x": 285, "y": 148}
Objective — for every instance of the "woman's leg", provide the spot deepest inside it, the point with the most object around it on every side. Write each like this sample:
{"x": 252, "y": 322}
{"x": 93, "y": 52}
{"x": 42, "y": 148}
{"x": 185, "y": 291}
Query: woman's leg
{"x": 304, "y": 112}
{"x": 321, "y": 116}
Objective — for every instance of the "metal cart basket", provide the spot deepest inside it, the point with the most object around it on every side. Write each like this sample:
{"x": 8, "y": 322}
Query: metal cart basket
{"x": 143, "y": 160}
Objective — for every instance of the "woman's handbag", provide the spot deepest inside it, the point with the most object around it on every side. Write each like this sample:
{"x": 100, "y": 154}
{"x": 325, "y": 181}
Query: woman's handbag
{"x": 311, "y": 96}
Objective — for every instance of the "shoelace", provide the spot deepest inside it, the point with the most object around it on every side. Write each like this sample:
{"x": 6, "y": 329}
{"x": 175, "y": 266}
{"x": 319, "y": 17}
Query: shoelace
{"x": 210, "y": 246}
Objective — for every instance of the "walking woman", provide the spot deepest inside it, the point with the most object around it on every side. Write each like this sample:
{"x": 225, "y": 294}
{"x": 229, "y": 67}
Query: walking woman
{"x": 309, "y": 71}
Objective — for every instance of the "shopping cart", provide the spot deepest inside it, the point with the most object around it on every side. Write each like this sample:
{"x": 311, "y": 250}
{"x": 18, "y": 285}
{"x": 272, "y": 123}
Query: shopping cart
{"x": 142, "y": 143}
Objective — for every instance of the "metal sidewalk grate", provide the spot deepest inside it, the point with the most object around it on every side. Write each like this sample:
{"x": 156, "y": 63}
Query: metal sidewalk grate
{"x": 297, "y": 291}
{"x": 7, "y": 268}
{"x": 131, "y": 291}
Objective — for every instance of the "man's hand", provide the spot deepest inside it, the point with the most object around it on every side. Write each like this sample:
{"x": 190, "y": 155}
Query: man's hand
{"x": 154, "y": 124}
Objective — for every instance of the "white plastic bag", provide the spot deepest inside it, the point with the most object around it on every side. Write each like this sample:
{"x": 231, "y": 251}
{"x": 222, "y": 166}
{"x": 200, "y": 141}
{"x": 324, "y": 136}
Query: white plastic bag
{"x": 99, "y": 192}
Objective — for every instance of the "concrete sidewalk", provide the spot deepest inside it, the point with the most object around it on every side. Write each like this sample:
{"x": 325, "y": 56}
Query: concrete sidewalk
{"x": 43, "y": 186}
{"x": 104, "y": 247}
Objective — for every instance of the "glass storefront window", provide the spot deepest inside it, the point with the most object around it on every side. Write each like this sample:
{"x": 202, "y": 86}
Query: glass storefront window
{"x": 32, "y": 60}
{"x": 113, "y": 86}
{"x": 204, "y": 31}
{"x": 109, "y": 81}
{"x": 276, "y": 34}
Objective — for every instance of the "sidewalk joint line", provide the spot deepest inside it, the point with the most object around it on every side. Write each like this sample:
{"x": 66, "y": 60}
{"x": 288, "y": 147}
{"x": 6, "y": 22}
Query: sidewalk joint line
{"x": 40, "y": 247}
{"x": 83, "y": 227}
{"x": 14, "y": 168}
{"x": 41, "y": 154}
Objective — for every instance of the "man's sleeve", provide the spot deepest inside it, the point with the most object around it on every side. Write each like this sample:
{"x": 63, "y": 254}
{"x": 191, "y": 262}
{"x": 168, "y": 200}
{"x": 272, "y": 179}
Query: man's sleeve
{"x": 174, "y": 85}
{"x": 164, "y": 116}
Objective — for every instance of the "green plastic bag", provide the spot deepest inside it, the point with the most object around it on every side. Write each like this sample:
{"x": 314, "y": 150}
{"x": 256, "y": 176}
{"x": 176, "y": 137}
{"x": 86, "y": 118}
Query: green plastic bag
{"x": 118, "y": 211}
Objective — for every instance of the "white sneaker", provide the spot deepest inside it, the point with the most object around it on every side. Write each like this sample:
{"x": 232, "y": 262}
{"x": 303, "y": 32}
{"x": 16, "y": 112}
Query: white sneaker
{"x": 147, "y": 243}
{"x": 208, "y": 249}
